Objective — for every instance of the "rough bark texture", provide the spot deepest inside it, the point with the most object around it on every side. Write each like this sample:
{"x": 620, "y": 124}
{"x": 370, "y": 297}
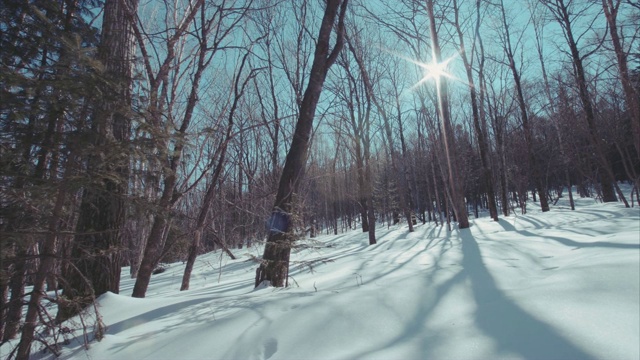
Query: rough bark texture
{"x": 96, "y": 254}
{"x": 275, "y": 260}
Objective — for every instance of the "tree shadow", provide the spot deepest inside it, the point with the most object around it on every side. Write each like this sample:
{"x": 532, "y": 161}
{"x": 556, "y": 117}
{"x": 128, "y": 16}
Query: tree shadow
{"x": 577, "y": 244}
{"x": 194, "y": 314}
{"x": 568, "y": 242}
{"x": 431, "y": 296}
{"x": 512, "y": 329}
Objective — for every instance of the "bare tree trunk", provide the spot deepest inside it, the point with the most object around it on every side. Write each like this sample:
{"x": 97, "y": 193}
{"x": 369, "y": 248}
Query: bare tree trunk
{"x": 97, "y": 247}
{"x": 405, "y": 185}
{"x": 480, "y": 135}
{"x": 610, "y": 8}
{"x": 275, "y": 260}
{"x": 362, "y": 195}
{"x": 360, "y": 127}
{"x": 561, "y": 12}
{"x": 158, "y": 234}
{"x": 563, "y": 153}
{"x": 524, "y": 116}
{"x": 368, "y": 178}
{"x": 13, "y": 308}
{"x": 497, "y": 122}
{"x": 220, "y": 155}
{"x": 438, "y": 209}
{"x": 455, "y": 183}
{"x": 4, "y": 297}
{"x": 397, "y": 168}
{"x": 47, "y": 263}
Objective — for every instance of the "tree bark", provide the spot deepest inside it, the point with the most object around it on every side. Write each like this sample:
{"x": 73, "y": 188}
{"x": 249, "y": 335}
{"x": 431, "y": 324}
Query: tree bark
{"x": 455, "y": 183}
{"x": 275, "y": 260}
{"x": 96, "y": 254}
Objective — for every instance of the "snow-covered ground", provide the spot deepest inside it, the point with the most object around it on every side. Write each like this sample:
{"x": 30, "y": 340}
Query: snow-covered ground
{"x": 559, "y": 285}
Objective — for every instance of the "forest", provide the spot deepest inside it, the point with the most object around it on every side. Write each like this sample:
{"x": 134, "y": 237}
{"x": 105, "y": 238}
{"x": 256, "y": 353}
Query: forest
{"x": 138, "y": 134}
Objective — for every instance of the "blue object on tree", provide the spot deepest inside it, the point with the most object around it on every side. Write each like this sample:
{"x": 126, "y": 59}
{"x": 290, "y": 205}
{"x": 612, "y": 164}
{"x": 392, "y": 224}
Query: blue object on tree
{"x": 278, "y": 222}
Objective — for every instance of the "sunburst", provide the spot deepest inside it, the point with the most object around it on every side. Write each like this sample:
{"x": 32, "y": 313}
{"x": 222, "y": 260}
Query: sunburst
{"x": 434, "y": 70}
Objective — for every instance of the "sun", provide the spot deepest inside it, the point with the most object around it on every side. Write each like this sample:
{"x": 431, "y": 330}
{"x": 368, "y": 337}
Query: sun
{"x": 435, "y": 70}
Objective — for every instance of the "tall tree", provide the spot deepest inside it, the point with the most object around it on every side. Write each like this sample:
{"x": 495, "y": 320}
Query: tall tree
{"x": 219, "y": 158}
{"x": 47, "y": 77}
{"x": 455, "y": 190}
{"x": 358, "y": 103}
{"x": 221, "y": 21}
{"x": 275, "y": 260}
{"x": 481, "y": 137}
{"x": 566, "y": 18}
{"x": 631, "y": 95}
{"x": 396, "y": 161}
{"x": 97, "y": 247}
{"x": 534, "y": 162}
{"x": 350, "y": 95}
{"x": 537, "y": 17}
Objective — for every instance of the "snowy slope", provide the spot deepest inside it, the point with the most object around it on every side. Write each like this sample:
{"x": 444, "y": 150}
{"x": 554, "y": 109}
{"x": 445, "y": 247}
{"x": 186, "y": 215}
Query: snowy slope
{"x": 559, "y": 285}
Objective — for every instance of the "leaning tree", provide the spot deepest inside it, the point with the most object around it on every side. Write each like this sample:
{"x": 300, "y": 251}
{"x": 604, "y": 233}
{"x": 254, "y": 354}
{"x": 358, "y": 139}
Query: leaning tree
{"x": 275, "y": 260}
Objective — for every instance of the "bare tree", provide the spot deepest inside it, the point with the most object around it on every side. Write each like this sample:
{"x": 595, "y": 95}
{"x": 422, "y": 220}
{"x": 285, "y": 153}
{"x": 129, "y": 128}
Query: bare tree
{"x": 611, "y": 8}
{"x": 565, "y": 17}
{"x": 219, "y": 158}
{"x": 275, "y": 261}
{"x": 538, "y": 28}
{"x": 358, "y": 103}
{"x": 386, "y": 119}
{"x": 534, "y": 163}
{"x": 454, "y": 181}
{"x": 348, "y": 91}
{"x": 499, "y": 108}
{"x": 221, "y": 21}
{"x": 481, "y": 137}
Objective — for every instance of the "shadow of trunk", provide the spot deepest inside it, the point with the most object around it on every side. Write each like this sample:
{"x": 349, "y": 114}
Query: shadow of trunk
{"x": 512, "y": 329}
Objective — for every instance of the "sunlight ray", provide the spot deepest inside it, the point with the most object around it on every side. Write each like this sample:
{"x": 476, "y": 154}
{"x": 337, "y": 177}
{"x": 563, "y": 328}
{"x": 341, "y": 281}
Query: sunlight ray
{"x": 435, "y": 70}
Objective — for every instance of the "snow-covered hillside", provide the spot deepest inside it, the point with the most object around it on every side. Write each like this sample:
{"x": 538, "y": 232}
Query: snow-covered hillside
{"x": 559, "y": 285}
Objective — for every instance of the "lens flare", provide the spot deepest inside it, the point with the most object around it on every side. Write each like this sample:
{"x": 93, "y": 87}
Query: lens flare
{"x": 434, "y": 70}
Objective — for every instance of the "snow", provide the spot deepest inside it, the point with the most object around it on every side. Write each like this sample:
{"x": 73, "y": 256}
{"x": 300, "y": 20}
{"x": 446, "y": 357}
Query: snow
{"x": 558, "y": 285}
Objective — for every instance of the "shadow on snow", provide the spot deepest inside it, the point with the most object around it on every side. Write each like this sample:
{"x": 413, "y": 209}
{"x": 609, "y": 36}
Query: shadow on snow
{"x": 512, "y": 329}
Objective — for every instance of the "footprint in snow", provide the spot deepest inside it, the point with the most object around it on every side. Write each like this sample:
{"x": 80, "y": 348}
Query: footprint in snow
{"x": 270, "y": 347}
